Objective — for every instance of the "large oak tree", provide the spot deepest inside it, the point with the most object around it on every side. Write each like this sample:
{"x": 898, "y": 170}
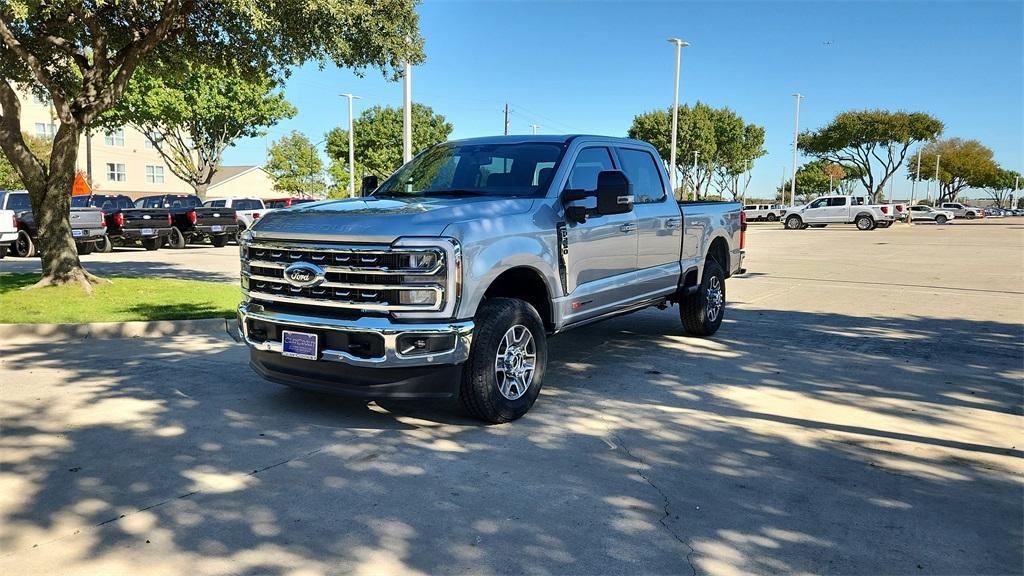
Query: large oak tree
{"x": 83, "y": 53}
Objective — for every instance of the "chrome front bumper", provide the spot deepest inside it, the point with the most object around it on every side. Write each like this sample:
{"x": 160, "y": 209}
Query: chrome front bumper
{"x": 389, "y": 331}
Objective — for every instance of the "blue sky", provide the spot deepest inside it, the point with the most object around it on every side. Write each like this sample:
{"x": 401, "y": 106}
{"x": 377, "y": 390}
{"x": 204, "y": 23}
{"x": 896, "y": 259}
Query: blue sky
{"x": 590, "y": 67}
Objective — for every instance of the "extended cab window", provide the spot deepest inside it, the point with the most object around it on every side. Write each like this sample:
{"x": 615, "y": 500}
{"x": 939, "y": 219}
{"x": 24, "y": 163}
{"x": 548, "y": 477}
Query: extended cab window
{"x": 841, "y": 201}
{"x": 589, "y": 163}
{"x": 642, "y": 172}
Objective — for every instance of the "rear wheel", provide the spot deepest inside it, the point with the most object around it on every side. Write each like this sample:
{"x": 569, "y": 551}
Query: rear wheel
{"x": 23, "y": 246}
{"x": 505, "y": 371}
{"x": 794, "y": 223}
{"x": 702, "y": 311}
{"x": 940, "y": 219}
{"x": 865, "y": 222}
{"x": 971, "y": 215}
{"x": 176, "y": 240}
{"x": 151, "y": 243}
{"x": 772, "y": 218}
{"x": 219, "y": 241}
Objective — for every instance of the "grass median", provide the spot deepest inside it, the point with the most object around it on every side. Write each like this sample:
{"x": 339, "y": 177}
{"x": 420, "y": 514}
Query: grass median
{"x": 124, "y": 300}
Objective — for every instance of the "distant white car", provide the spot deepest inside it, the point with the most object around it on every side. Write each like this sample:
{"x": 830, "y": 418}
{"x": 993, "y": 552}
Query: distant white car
{"x": 8, "y": 231}
{"x": 759, "y": 212}
{"x": 249, "y": 210}
{"x": 922, "y": 212}
{"x": 962, "y": 210}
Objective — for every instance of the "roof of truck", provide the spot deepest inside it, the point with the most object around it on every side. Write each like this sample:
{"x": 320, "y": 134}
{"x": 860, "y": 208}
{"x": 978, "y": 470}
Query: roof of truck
{"x": 526, "y": 138}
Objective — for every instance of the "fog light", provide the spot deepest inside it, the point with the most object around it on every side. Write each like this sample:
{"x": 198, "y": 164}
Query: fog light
{"x": 417, "y": 297}
{"x": 416, "y": 344}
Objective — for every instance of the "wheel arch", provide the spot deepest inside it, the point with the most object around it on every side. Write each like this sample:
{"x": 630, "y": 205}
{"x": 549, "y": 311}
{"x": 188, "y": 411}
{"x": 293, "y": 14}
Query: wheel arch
{"x": 523, "y": 283}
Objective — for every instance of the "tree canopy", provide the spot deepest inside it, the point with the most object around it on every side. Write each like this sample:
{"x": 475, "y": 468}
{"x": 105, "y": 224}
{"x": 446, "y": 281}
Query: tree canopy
{"x": 193, "y": 116}
{"x": 873, "y": 141}
{"x": 9, "y": 178}
{"x": 378, "y": 140}
{"x": 295, "y": 163}
{"x": 726, "y": 146}
{"x": 83, "y": 53}
{"x": 962, "y": 164}
{"x": 1000, "y": 186}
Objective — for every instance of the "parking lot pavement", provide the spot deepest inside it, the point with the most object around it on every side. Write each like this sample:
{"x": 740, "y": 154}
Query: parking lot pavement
{"x": 859, "y": 412}
{"x": 194, "y": 262}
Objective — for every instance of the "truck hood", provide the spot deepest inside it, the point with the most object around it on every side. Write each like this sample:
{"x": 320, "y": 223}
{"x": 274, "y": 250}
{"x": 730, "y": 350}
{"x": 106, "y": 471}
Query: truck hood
{"x": 380, "y": 220}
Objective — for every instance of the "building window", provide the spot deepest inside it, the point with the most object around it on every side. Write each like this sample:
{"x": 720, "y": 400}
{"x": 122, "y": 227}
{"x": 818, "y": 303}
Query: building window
{"x": 114, "y": 137}
{"x": 44, "y": 130}
{"x": 116, "y": 172}
{"x": 155, "y": 174}
{"x": 150, "y": 138}
{"x": 41, "y": 100}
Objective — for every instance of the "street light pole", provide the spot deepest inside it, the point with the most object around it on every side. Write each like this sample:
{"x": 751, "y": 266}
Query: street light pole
{"x": 938, "y": 183}
{"x": 534, "y": 127}
{"x": 693, "y": 179}
{"x": 675, "y": 114}
{"x": 407, "y": 114}
{"x": 796, "y": 133}
{"x": 351, "y": 147}
{"x": 917, "y": 176}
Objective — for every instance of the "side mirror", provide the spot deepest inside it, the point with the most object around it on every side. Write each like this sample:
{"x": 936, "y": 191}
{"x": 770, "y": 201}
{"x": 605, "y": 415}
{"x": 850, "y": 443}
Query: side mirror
{"x": 614, "y": 193}
{"x": 368, "y": 186}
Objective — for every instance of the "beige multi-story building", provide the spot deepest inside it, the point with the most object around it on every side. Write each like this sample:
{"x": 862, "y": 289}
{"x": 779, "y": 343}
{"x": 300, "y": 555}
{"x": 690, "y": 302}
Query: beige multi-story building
{"x": 121, "y": 161}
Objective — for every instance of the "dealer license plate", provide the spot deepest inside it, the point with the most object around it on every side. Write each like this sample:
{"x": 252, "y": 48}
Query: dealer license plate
{"x": 147, "y": 231}
{"x": 299, "y": 345}
{"x": 76, "y": 233}
{"x": 216, "y": 228}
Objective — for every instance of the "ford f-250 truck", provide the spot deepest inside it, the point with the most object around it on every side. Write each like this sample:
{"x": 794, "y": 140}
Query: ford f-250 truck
{"x": 127, "y": 224}
{"x": 447, "y": 280}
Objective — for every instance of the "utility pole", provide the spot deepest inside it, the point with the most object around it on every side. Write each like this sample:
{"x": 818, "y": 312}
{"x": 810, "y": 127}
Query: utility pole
{"x": 506, "y": 118}
{"x": 796, "y": 133}
{"x": 675, "y": 115}
{"x": 407, "y": 115}
{"x": 351, "y": 147}
{"x": 938, "y": 184}
{"x": 534, "y": 127}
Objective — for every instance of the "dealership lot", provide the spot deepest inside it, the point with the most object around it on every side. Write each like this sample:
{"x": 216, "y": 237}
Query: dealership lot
{"x": 859, "y": 412}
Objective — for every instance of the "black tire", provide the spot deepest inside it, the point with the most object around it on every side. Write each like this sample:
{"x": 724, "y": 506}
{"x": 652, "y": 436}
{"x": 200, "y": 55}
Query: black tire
{"x": 772, "y": 218}
{"x": 883, "y": 224}
{"x": 479, "y": 391}
{"x": 794, "y": 223}
{"x": 176, "y": 240}
{"x": 151, "y": 243}
{"x": 105, "y": 246}
{"x": 702, "y": 311}
{"x": 219, "y": 241}
{"x": 85, "y": 248}
{"x": 23, "y": 246}
{"x": 940, "y": 219}
{"x": 971, "y": 215}
{"x": 865, "y": 222}
{"x": 3, "y": 252}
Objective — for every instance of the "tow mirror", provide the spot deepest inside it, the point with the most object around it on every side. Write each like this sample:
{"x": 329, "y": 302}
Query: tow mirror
{"x": 614, "y": 193}
{"x": 368, "y": 186}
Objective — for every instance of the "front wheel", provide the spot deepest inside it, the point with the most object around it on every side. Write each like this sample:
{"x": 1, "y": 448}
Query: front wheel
{"x": 865, "y": 222}
{"x": 105, "y": 246}
{"x": 940, "y": 220}
{"x": 702, "y": 311}
{"x": 219, "y": 241}
{"x": 505, "y": 371}
{"x": 23, "y": 246}
{"x": 971, "y": 215}
{"x": 794, "y": 223}
{"x": 151, "y": 243}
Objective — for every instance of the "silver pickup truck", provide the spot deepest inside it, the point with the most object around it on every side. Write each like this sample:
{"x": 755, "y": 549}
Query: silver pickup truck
{"x": 448, "y": 278}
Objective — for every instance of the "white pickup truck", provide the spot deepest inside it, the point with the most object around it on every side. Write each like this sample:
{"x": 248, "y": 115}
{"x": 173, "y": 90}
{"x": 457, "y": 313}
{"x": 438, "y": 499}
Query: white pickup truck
{"x": 8, "y": 231}
{"x": 769, "y": 212}
{"x": 248, "y": 210}
{"x": 962, "y": 210}
{"x": 840, "y": 209}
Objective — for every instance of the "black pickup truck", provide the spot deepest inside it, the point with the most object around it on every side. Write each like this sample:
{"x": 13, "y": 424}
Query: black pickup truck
{"x": 191, "y": 221}
{"x": 127, "y": 224}
{"x": 87, "y": 225}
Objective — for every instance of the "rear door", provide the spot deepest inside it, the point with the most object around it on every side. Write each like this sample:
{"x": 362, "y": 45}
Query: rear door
{"x": 602, "y": 252}
{"x": 659, "y": 223}
{"x": 838, "y": 210}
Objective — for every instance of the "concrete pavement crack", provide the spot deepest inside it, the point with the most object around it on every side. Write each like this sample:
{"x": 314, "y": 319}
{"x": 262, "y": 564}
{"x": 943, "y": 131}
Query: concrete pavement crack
{"x": 666, "y": 503}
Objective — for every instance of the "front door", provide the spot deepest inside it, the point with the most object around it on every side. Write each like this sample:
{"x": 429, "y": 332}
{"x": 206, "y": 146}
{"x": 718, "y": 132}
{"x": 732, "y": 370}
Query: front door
{"x": 602, "y": 252}
{"x": 816, "y": 212}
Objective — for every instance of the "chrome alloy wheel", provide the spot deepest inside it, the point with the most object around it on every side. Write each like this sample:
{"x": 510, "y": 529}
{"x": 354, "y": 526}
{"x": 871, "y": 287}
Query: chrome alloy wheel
{"x": 515, "y": 362}
{"x": 714, "y": 299}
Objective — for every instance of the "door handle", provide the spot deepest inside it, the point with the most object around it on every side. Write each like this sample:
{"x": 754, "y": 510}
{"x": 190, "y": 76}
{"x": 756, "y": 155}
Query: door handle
{"x": 627, "y": 227}
{"x": 672, "y": 222}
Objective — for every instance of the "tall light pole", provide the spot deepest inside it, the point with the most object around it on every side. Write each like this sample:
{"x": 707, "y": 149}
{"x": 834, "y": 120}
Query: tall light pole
{"x": 1016, "y": 190}
{"x": 675, "y": 114}
{"x": 534, "y": 127}
{"x": 693, "y": 179}
{"x": 938, "y": 183}
{"x": 407, "y": 114}
{"x": 351, "y": 147}
{"x": 796, "y": 133}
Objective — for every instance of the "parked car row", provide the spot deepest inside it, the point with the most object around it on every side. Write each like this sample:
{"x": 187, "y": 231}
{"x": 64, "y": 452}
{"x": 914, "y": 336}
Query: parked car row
{"x": 99, "y": 222}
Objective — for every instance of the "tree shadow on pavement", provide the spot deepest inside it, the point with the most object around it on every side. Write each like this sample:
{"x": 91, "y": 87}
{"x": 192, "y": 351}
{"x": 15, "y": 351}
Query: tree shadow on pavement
{"x": 789, "y": 442}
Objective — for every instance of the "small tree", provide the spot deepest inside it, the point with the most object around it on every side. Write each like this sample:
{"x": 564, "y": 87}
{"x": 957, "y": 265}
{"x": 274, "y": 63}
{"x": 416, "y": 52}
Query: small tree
{"x": 873, "y": 141}
{"x": 82, "y": 54}
{"x": 378, "y": 140}
{"x": 962, "y": 164}
{"x": 192, "y": 117}
{"x": 295, "y": 163}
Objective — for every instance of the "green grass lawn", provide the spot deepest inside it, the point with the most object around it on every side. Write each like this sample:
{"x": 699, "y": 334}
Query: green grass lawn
{"x": 126, "y": 299}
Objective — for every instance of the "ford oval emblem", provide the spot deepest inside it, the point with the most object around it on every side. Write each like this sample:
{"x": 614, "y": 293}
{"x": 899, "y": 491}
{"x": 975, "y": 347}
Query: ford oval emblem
{"x": 146, "y": 216}
{"x": 304, "y": 274}
{"x": 216, "y": 214}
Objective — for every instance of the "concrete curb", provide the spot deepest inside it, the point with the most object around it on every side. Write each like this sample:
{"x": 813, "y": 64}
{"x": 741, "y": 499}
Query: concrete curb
{"x": 110, "y": 330}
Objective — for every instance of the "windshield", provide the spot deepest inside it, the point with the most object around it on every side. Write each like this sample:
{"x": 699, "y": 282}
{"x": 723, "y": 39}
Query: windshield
{"x": 523, "y": 169}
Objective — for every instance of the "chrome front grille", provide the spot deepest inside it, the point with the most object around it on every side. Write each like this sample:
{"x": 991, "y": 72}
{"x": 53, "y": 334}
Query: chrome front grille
{"x": 353, "y": 277}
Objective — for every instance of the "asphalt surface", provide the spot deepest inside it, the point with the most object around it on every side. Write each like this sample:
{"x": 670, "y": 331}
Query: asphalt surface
{"x": 860, "y": 412}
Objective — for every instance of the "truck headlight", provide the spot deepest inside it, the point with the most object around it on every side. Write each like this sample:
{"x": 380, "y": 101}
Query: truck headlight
{"x": 422, "y": 260}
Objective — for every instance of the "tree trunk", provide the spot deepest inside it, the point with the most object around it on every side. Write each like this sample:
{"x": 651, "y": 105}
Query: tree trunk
{"x": 51, "y": 208}
{"x": 200, "y": 190}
